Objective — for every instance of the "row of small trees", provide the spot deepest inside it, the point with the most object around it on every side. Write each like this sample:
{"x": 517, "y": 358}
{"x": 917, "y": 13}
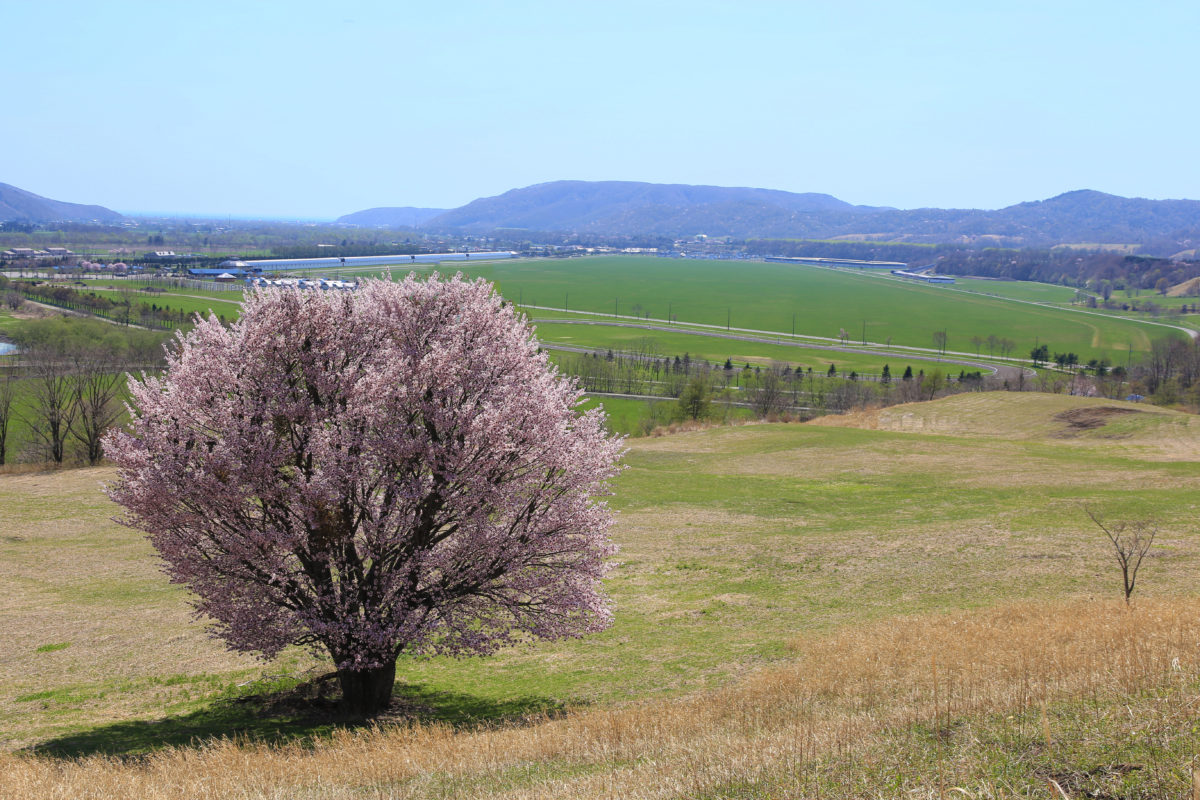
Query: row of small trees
{"x": 65, "y": 387}
{"x": 704, "y": 390}
{"x": 128, "y": 309}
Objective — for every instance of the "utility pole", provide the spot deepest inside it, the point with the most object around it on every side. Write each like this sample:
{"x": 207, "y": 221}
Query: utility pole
{"x": 670, "y": 319}
{"x": 728, "y": 311}
{"x": 616, "y": 302}
{"x": 566, "y": 300}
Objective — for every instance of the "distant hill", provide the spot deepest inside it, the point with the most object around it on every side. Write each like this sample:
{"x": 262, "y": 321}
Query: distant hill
{"x": 676, "y": 210}
{"x": 1088, "y": 216}
{"x": 391, "y": 217}
{"x": 18, "y": 204}
{"x": 606, "y": 207}
{"x": 1082, "y": 216}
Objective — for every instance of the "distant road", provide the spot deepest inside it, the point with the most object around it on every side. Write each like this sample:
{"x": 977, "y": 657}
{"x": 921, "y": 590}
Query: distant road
{"x": 999, "y": 370}
{"x": 1191, "y": 333}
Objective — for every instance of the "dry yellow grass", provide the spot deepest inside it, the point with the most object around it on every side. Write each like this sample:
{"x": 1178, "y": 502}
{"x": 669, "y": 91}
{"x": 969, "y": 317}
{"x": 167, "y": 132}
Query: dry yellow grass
{"x": 71, "y": 576}
{"x": 1012, "y": 415}
{"x": 1186, "y": 289}
{"x": 1149, "y": 431}
{"x": 843, "y": 693}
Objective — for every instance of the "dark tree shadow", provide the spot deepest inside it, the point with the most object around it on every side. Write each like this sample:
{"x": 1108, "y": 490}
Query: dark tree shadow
{"x": 305, "y": 714}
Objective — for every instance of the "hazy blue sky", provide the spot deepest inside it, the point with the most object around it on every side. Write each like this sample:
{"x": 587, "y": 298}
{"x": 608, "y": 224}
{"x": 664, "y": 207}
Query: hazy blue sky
{"x": 298, "y": 109}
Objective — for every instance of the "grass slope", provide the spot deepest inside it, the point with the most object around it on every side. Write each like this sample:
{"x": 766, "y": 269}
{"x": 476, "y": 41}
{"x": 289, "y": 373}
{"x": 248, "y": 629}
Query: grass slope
{"x": 735, "y": 541}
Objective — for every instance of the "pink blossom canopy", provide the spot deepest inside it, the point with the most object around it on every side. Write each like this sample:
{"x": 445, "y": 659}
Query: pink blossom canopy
{"x": 397, "y": 469}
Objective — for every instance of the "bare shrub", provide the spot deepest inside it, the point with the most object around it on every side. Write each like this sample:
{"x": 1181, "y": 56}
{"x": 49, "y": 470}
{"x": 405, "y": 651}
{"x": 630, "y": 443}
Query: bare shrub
{"x": 1131, "y": 540}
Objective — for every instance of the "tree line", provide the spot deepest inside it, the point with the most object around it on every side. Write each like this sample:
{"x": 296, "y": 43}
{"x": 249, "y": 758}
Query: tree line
{"x": 1065, "y": 266}
{"x": 65, "y": 387}
{"x": 707, "y": 391}
{"x": 129, "y": 309}
{"x": 1169, "y": 374}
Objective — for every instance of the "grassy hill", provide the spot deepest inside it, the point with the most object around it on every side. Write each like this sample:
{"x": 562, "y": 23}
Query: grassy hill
{"x": 390, "y": 217}
{"x": 880, "y": 609}
{"x": 1116, "y": 426}
{"x": 18, "y": 204}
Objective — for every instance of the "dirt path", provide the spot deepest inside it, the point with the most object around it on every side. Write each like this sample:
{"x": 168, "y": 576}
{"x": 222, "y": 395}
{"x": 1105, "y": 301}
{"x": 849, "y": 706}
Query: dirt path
{"x": 73, "y": 313}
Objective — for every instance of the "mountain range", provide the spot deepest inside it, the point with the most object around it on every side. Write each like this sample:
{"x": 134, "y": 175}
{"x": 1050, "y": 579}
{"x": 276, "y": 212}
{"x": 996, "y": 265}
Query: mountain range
{"x": 675, "y": 210}
{"x": 632, "y": 209}
{"x": 20, "y": 205}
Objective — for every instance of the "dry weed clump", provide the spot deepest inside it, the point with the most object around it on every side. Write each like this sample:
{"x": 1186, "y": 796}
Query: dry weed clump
{"x": 843, "y": 693}
{"x": 685, "y": 426}
{"x": 32, "y": 468}
{"x": 693, "y": 425}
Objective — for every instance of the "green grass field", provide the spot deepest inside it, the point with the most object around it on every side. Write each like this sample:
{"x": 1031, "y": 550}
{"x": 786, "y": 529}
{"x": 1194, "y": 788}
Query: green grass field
{"x": 175, "y": 301}
{"x": 768, "y": 296}
{"x": 714, "y": 349}
{"x": 1062, "y": 297}
{"x": 765, "y": 296}
{"x": 627, "y": 416}
{"x": 1018, "y": 290}
{"x": 233, "y": 294}
{"x": 602, "y": 336}
{"x": 8, "y": 322}
{"x": 734, "y": 542}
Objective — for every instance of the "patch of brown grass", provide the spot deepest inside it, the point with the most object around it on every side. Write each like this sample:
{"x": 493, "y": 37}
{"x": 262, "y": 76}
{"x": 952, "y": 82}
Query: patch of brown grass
{"x": 1090, "y": 418}
{"x": 843, "y": 693}
{"x": 1186, "y": 289}
{"x": 1019, "y": 415}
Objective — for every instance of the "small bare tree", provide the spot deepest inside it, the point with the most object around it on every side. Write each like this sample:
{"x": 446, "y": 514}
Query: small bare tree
{"x": 1131, "y": 539}
{"x": 768, "y": 396}
{"x": 8, "y": 394}
{"x": 939, "y": 341}
{"x": 97, "y": 379}
{"x": 52, "y": 400}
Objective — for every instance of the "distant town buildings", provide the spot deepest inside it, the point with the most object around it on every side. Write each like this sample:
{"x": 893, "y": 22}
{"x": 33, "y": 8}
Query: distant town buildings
{"x": 304, "y": 283}
{"x": 238, "y": 267}
{"x": 29, "y": 252}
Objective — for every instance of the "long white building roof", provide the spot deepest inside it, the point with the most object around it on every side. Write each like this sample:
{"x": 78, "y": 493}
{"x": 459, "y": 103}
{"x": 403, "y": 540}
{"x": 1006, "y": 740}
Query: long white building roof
{"x": 274, "y": 264}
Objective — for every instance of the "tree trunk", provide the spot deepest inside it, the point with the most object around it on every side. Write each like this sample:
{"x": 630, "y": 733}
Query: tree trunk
{"x": 367, "y": 691}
